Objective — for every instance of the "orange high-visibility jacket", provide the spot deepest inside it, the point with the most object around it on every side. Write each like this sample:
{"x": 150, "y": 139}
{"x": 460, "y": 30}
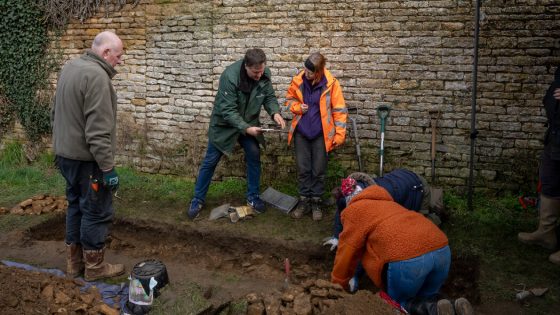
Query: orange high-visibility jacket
{"x": 333, "y": 109}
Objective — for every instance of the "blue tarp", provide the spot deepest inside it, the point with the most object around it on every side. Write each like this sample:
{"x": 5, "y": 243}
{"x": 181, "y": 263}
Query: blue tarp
{"x": 108, "y": 291}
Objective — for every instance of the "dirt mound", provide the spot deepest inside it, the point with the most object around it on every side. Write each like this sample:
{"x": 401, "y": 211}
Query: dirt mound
{"x": 317, "y": 297}
{"x": 31, "y": 292}
{"x": 363, "y": 302}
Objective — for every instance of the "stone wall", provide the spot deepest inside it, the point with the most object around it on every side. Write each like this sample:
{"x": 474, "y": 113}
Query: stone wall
{"x": 415, "y": 56}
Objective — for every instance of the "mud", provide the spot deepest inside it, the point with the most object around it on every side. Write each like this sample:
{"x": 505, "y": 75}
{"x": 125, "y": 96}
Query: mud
{"x": 211, "y": 258}
{"x": 27, "y": 292}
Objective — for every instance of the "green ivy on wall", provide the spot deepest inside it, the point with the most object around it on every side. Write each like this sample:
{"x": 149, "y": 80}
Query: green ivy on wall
{"x": 27, "y": 29}
{"x": 25, "y": 65}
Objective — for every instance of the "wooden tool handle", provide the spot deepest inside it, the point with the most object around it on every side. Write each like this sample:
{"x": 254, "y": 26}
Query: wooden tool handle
{"x": 433, "y": 123}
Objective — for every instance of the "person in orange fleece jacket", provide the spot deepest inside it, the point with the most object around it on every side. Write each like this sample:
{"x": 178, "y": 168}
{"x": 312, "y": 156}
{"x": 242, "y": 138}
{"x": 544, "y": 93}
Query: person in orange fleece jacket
{"x": 404, "y": 253}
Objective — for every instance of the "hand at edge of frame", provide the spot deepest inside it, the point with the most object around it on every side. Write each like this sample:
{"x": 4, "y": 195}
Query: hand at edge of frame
{"x": 332, "y": 241}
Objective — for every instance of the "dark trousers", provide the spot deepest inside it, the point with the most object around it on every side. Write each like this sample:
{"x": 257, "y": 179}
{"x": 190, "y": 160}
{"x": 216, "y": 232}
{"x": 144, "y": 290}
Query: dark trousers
{"x": 89, "y": 212}
{"x": 311, "y": 163}
{"x": 549, "y": 173}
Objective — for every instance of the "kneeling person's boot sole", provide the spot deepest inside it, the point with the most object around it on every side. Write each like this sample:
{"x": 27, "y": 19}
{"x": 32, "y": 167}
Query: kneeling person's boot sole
{"x": 444, "y": 307}
{"x": 463, "y": 307}
{"x": 97, "y": 269}
{"x": 555, "y": 258}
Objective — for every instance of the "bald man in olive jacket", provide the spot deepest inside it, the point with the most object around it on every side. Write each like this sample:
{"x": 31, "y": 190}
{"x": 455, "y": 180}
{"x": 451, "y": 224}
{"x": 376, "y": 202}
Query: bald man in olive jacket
{"x": 84, "y": 141}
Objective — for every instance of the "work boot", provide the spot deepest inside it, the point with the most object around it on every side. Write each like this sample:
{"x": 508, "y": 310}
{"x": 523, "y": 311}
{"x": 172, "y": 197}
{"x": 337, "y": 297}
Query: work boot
{"x": 97, "y": 269}
{"x": 316, "y": 211}
{"x": 74, "y": 260}
{"x": 444, "y": 307}
{"x": 545, "y": 235}
{"x": 555, "y": 258}
{"x": 302, "y": 208}
{"x": 463, "y": 307}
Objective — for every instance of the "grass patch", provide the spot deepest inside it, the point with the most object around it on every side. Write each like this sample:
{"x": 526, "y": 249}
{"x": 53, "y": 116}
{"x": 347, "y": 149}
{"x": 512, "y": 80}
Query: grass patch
{"x": 12, "y": 155}
{"x": 19, "y": 180}
{"x": 490, "y": 232}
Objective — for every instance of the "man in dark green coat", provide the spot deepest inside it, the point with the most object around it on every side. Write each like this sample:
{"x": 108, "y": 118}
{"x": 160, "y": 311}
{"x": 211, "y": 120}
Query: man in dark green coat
{"x": 244, "y": 88}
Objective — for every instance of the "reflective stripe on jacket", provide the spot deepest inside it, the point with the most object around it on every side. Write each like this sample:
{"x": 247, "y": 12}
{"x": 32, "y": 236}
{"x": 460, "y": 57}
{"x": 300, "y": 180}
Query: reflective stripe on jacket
{"x": 333, "y": 109}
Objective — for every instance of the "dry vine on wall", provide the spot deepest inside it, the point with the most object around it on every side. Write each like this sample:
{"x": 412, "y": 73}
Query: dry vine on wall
{"x": 59, "y": 12}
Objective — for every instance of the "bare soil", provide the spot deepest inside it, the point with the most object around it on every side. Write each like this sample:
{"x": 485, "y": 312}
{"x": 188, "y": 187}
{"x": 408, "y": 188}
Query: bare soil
{"x": 33, "y": 292}
{"x": 226, "y": 267}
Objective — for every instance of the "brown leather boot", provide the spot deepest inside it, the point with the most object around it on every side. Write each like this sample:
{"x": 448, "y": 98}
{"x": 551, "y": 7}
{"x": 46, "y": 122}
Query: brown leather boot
{"x": 97, "y": 269}
{"x": 74, "y": 262}
{"x": 545, "y": 235}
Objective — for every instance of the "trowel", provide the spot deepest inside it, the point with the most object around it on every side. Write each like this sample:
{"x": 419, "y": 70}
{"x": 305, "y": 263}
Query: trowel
{"x": 272, "y": 130}
{"x": 219, "y": 212}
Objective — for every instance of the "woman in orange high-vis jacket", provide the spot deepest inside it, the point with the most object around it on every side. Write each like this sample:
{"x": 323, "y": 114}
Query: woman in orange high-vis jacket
{"x": 318, "y": 126}
{"x": 403, "y": 252}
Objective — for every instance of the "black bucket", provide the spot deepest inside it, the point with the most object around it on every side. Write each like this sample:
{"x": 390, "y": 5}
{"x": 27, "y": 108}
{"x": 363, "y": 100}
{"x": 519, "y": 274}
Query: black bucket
{"x": 151, "y": 268}
{"x": 140, "y": 296}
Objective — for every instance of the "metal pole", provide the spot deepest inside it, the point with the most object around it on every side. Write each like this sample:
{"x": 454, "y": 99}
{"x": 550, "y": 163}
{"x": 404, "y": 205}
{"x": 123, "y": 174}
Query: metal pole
{"x": 383, "y": 113}
{"x": 382, "y": 147}
{"x": 474, "y": 132}
{"x": 358, "y": 153}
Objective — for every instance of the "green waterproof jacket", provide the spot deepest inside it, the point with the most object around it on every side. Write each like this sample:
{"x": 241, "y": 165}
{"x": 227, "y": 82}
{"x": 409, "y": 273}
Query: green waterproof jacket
{"x": 233, "y": 113}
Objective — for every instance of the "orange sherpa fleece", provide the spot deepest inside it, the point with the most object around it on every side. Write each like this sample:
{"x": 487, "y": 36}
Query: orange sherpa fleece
{"x": 378, "y": 230}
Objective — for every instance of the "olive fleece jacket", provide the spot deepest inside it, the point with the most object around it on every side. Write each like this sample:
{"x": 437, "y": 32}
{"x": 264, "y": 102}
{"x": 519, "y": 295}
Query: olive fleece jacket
{"x": 84, "y": 113}
{"x": 378, "y": 231}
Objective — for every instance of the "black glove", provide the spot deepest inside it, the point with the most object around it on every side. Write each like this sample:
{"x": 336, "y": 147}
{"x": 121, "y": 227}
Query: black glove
{"x": 111, "y": 179}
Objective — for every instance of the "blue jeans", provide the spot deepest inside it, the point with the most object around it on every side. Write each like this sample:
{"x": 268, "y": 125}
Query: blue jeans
{"x": 420, "y": 276}
{"x": 89, "y": 212}
{"x": 252, "y": 159}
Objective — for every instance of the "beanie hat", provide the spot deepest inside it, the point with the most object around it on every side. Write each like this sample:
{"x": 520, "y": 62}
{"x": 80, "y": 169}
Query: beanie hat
{"x": 354, "y": 184}
{"x": 364, "y": 179}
